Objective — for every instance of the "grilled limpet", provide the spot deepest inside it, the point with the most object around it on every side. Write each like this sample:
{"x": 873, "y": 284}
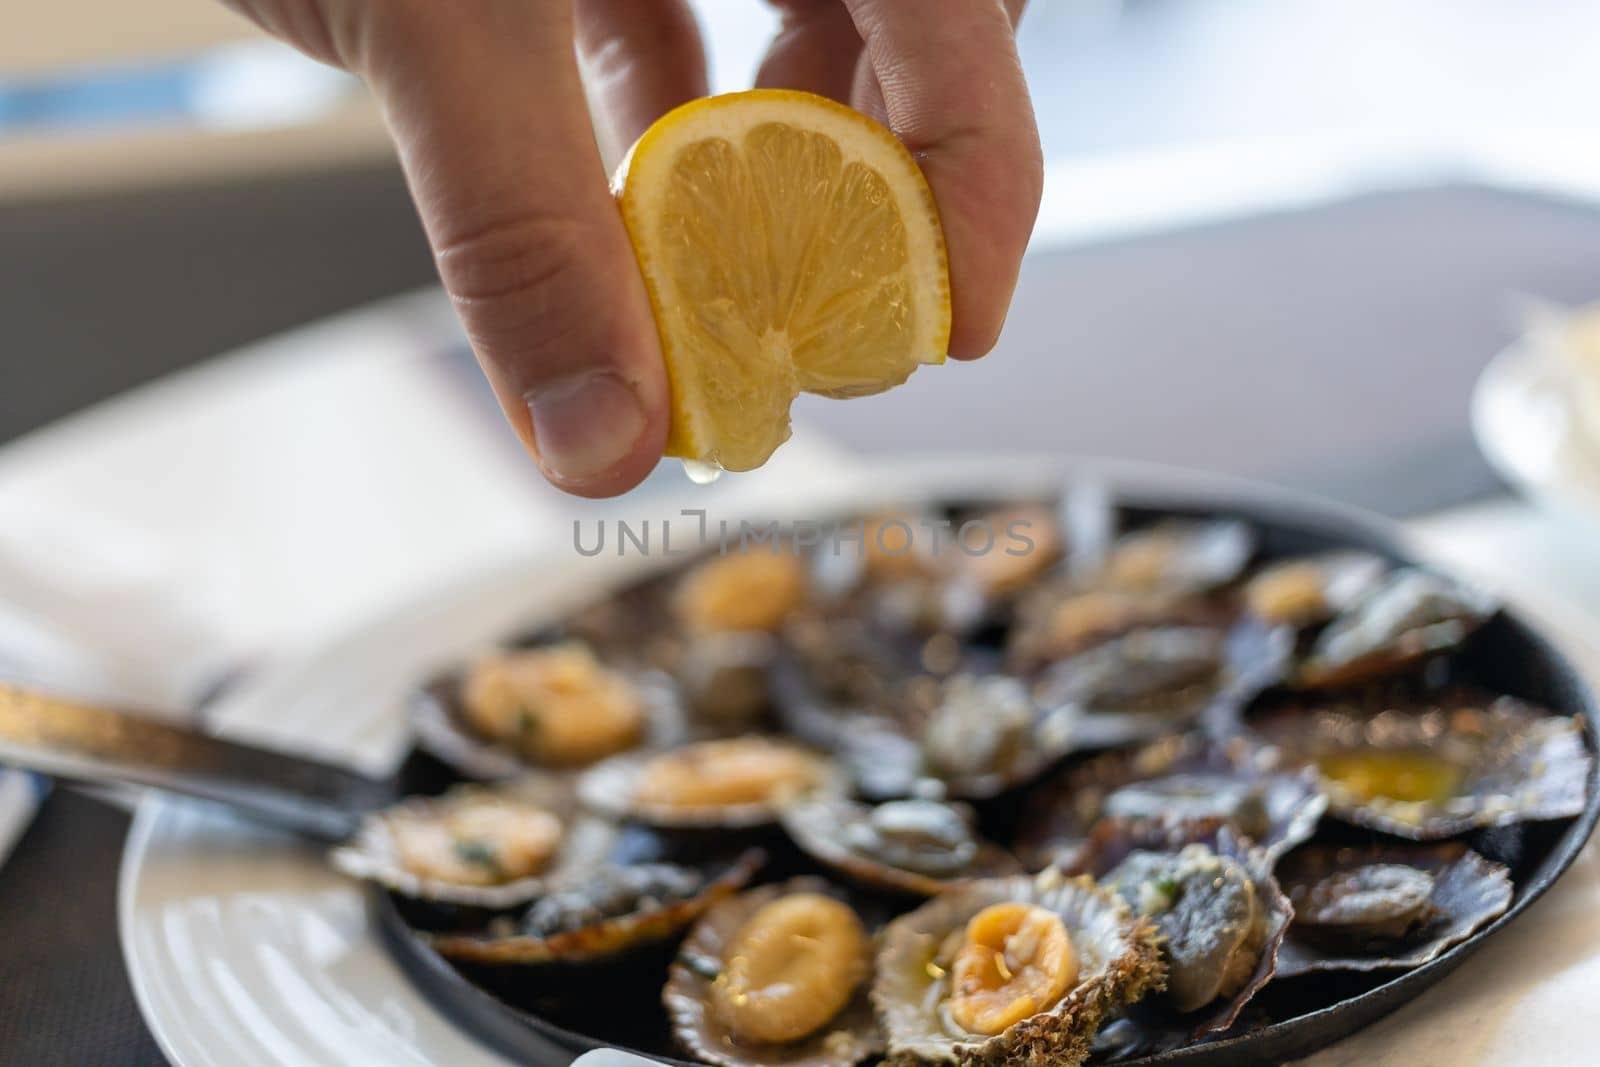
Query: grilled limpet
{"x": 475, "y": 846}
{"x": 555, "y": 706}
{"x": 741, "y": 591}
{"x": 1057, "y": 625}
{"x": 917, "y": 847}
{"x": 1155, "y": 680}
{"x": 1021, "y": 544}
{"x": 1385, "y": 904}
{"x": 984, "y": 734}
{"x": 1011, "y": 970}
{"x": 1177, "y": 779}
{"x": 723, "y": 678}
{"x": 775, "y": 977}
{"x": 735, "y": 782}
{"x": 599, "y": 914}
{"x": 1212, "y": 896}
{"x": 546, "y": 707}
{"x": 1401, "y": 620}
{"x": 1175, "y": 556}
{"x": 1310, "y": 590}
{"x": 1433, "y": 767}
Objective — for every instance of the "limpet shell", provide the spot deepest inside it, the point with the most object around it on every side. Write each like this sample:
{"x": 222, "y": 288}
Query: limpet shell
{"x": 1118, "y": 955}
{"x": 1514, "y": 762}
{"x": 443, "y": 731}
{"x": 818, "y": 827}
{"x": 1114, "y": 840}
{"x": 1402, "y": 619}
{"x": 1469, "y": 892}
{"x": 372, "y": 855}
{"x": 605, "y": 939}
{"x": 849, "y": 1038}
{"x": 1277, "y": 808}
{"x": 611, "y": 787}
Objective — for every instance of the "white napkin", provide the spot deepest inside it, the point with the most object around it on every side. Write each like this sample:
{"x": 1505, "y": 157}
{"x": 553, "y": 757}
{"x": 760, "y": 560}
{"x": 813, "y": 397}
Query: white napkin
{"x": 92, "y": 609}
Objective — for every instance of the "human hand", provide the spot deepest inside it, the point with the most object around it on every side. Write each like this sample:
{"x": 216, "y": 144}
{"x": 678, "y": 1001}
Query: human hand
{"x": 487, "y": 107}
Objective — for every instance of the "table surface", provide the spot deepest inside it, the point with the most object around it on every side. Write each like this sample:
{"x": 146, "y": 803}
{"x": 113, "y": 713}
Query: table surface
{"x": 320, "y": 476}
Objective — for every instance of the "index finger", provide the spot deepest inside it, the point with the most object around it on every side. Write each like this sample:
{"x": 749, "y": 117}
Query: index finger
{"x": 485, "y": 103}
{"x": 954, "y": 93}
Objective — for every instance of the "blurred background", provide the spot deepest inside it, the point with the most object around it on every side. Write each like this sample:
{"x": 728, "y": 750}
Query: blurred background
{"x": 1281, "y": 237}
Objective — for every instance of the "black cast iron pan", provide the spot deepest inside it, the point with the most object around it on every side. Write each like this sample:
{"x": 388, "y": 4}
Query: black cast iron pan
{"x": 1292, "y": 1017}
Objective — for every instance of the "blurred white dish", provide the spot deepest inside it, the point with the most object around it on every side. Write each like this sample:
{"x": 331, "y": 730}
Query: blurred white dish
{"x": 1536, "y": 417}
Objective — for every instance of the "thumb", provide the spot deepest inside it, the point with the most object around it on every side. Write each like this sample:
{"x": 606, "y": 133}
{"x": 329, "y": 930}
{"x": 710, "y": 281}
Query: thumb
{"x": 485, "y": 103}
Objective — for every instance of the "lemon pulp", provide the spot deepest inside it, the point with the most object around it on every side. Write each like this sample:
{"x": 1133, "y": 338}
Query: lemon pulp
{"x": 789, "y": 244}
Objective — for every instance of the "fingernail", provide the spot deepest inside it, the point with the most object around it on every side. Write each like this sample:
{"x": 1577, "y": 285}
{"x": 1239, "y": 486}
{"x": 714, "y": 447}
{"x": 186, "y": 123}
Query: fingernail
{"x": 584, "y": 425}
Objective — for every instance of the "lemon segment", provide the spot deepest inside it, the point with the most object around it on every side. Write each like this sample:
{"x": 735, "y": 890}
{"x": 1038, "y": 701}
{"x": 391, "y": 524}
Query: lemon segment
{"x": 789, "y": 244}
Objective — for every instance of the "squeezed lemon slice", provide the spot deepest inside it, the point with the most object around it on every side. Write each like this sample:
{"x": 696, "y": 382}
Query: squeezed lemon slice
{"x": 789, "y": 244}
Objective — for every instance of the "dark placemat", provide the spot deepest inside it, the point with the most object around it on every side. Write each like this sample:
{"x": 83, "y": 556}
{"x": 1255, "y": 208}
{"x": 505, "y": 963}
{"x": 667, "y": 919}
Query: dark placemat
{"x": 64, "y": 994}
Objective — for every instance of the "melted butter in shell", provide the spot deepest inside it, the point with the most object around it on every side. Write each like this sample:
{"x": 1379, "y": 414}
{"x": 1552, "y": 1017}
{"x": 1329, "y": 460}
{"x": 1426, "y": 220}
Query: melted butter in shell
{"x": 1410, "y": 776}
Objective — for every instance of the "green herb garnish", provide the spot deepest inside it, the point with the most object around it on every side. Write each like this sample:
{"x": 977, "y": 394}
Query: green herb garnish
{"x": 478, "y": 853}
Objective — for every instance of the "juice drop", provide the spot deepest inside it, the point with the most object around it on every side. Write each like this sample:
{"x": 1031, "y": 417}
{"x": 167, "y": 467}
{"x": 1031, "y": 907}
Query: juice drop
{"x": 701, "y": 472}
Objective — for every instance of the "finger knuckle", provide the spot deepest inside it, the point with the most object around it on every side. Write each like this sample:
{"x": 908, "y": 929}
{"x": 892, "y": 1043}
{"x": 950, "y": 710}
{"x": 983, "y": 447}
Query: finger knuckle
{"x": 521, "y": 282}
{"x": 612, "y": 46}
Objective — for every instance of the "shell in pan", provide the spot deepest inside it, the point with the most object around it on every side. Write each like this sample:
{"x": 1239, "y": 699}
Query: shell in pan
{"x": 998, "y": 554}
{"x": 600, "y": 913}
{"x": 1175, "y": 556}
{"x": 1310, "y": 590}
{"x": 831, "y": 673}
{"x": 922, "y": 574}
{"x": 722, "y": 678}
{"x": 1173, "y": 780}
{"x": 1385, "y": 905}
{"x": 1011, "y": 970}
{"x": 1158, "y": 578}
{"x": 980, "y": 734}
{"x": 912, "y": 847}
{"x": 849, "y": 659}
{"x": 730, "y": 783}
{"x": 741, "y": 592}
{"x": 551, "y": 707}
{"x": 775, "y": 977}
{"x": 884, "y": 575}
{"x": 1398, "y": 622}
{"x": 1158, "y": 669}
{"x": 1432, "y": 768}
{"x": 1220, "y": 912}
{"x": 1055, "y": 624}
{"x": 476, "y": 846}
{"x": 1157, "y": 680}
{"x": 969, "y": 735}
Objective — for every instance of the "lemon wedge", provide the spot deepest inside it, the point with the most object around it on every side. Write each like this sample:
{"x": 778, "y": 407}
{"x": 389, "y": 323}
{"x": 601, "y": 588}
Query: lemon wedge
{"x": 789, "y": 244}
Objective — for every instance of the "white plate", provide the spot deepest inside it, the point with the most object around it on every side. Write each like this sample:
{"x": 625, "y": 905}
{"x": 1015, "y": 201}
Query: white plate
{"x": 1528, "y": 424}
{"x": 245, "y": 950}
